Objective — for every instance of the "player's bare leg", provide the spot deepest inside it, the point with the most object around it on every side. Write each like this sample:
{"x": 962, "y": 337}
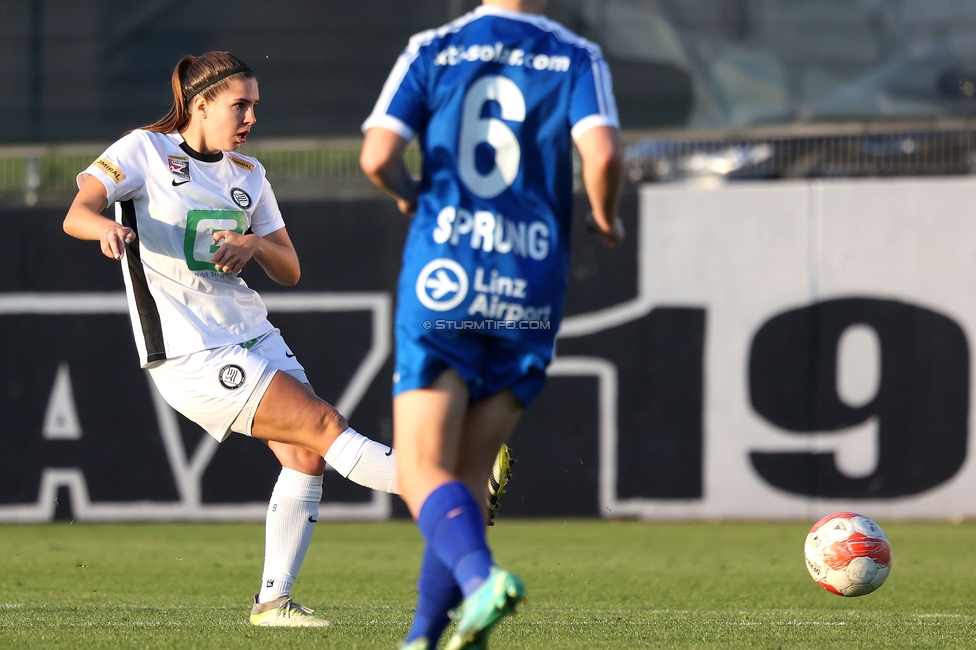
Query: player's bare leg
{"x": 487, "y": 426}
{"x": 426, "y": 436}
{"x": 298, "y": 458}
{"x": 291, "y": 413}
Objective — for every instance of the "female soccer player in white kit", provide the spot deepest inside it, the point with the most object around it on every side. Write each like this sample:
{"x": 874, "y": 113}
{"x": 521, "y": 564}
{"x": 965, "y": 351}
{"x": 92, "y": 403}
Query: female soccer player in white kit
{"x": 190, "y": 214}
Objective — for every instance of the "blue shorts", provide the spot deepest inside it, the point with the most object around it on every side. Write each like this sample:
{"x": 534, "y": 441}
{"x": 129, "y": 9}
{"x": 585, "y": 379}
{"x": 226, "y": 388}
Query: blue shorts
{"x": 487, "y": 364}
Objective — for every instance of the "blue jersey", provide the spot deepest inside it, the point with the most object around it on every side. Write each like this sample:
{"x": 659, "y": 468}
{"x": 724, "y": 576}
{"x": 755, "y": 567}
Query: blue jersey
{"x": 496, "y": 98}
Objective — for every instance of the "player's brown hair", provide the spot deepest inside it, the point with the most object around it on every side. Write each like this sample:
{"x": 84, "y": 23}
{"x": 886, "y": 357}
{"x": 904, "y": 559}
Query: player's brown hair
{"x": 208, "y": 75}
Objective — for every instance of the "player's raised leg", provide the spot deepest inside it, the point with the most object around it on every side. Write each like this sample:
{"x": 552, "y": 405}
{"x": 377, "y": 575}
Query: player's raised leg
{"x": 291, "y": 413}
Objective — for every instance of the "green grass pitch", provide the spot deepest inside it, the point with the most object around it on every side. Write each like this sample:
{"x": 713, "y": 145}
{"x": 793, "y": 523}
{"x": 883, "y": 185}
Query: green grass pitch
{"x": 591, "y": 584}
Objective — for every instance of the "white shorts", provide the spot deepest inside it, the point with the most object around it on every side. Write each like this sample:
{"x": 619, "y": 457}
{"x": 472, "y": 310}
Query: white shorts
{"x": 221, "y": 389}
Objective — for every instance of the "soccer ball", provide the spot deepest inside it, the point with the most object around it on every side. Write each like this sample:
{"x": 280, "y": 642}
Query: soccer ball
{"x": 847, "y": 554}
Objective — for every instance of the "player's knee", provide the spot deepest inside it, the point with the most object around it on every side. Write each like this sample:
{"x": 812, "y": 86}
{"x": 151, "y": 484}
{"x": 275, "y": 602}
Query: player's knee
{"x": 331, "y": 423}
{"x": 308, "y": 462}
{"x": 299, "y": 459}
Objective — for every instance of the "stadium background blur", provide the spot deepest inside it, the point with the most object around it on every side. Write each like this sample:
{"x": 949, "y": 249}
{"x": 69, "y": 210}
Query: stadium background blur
{"x": 87, "y": 70}
{"x": 633, "y": 422}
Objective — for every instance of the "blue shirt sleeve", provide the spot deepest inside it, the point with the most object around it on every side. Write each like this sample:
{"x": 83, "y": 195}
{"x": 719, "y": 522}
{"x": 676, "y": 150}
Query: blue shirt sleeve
{"x": 402, "y": 105}
{"x": 592, "y": 102}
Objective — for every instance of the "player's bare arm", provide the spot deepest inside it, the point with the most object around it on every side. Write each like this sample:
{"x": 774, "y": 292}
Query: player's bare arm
{"x": 382, "y": 162}
{"x": 274, "y": 252}
{"x": 85, "y": 221}
{"x": 602, "y": 157}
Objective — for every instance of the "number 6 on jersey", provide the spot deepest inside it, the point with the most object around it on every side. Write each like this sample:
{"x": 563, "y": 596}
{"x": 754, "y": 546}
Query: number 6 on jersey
{"x": 476, "y": 130}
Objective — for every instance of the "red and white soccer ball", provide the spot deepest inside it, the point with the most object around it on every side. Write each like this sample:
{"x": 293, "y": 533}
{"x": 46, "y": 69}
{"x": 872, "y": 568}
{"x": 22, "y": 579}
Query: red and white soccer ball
{"x": 847, "y": 554}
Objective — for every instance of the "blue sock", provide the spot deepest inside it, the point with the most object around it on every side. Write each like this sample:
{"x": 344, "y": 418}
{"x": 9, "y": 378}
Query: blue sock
{"x": 437, "y": 594}
{"x": 451, "y": 522}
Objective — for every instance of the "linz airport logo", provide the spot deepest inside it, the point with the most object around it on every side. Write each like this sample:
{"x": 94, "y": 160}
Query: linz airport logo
{"x": 179, "y": 166}
{"x": 240, "y": 197}
{"x": 231, "y": 376}
{"x": 442, "y": 285}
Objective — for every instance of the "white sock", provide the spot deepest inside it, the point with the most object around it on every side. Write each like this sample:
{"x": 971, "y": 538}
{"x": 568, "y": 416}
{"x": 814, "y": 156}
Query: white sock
{"x": 292, "y": 514}
{"x": 363, "y": 461}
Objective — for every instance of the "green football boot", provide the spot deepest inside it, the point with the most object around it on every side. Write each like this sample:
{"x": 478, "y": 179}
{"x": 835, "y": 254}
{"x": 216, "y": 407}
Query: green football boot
{"x": 484, "y": 608}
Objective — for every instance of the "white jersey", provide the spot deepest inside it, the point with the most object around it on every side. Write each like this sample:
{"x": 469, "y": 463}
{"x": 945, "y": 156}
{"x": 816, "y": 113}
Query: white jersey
{"x": 175, "y": 199}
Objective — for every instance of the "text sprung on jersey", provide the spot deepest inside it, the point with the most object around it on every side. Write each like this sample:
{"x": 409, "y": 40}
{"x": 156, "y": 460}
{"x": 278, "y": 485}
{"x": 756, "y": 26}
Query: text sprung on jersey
{"x": 492, "y": 233}
{"x": 498, "y": 53}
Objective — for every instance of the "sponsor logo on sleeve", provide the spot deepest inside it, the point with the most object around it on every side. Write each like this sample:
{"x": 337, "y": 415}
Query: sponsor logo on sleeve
{"x": 243, "y": 164}
{"x": 240, "y": 197}
{"x": 109, "y": 168}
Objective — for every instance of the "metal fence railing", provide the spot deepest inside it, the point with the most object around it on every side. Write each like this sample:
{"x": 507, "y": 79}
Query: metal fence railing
{"x": 315, "y": 168}
{"x": 300, "y": 168}
{"x": 908, "y": 152}
{"x": 31, "y": 174}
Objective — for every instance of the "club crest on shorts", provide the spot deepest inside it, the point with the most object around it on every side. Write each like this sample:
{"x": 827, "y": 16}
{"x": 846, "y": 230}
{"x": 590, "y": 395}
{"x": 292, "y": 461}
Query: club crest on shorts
{"x": 240, "y": 197}
{"x": 231, "y": 376}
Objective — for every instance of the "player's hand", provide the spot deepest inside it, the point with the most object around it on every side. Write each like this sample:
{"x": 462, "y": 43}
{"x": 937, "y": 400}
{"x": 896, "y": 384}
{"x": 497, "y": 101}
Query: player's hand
{"x": 235, "y": 250}
{"x": 115, "y": 239}
{"x": 610, "y": 238}
{"x": 407, "y": 204}
{"x": 407, "y": 207}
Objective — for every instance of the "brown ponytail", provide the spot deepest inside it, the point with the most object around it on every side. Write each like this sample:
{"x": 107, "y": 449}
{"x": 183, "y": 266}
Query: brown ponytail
{"x": 208, "y": 75}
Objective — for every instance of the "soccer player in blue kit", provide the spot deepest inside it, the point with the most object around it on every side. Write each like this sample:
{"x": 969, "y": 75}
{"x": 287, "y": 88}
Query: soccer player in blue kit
{"x": 497, "y": 99}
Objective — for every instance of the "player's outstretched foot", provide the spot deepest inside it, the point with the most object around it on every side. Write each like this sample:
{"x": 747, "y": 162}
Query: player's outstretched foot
{"x": 416, "y": 644}
{"x": 484, "y": 608}
{"x": 284, "y": 612}
{"x": 501, "y": 474}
